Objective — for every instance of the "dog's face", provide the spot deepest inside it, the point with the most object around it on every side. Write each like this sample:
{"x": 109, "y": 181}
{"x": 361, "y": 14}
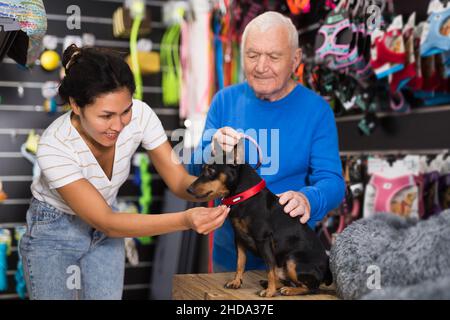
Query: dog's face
{"x": 217, "y": 179}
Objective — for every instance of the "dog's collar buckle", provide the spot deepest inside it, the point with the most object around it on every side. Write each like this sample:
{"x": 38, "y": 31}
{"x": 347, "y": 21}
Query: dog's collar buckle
{"x": 244, "y": 195}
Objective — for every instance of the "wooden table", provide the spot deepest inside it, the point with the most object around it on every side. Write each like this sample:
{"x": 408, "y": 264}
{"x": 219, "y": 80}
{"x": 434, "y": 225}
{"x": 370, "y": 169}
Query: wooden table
{"x": 210, "y": 286}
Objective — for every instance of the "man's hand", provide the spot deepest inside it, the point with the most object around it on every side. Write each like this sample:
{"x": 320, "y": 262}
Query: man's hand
{"x": 227, "y": 138}
{"x": 296, "y": 205}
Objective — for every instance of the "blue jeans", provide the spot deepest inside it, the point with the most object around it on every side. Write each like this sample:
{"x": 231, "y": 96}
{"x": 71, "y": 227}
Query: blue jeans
{"x": 65, "y": 258}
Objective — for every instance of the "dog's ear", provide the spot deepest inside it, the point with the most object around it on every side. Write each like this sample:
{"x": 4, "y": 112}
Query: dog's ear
{"x": 216, "y": 148}
{"x": 236, "y": 155}
{"x": 217, "y": 153}
{"x": 239, "y": 153}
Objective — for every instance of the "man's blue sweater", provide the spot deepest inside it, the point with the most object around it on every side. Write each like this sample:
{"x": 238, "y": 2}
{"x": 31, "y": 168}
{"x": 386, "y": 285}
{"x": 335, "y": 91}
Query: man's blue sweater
{"x": 299, "y": 141}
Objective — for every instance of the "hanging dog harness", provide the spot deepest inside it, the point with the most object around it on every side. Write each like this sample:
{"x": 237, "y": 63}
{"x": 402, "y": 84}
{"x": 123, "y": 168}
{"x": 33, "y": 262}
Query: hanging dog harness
{"x": 334, "y": 36}
{"x": 435, "y": 41}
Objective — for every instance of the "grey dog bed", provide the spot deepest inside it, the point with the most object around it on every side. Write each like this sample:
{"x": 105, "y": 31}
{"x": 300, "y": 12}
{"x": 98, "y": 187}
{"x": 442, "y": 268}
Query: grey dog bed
{"x": 412, "y": 257}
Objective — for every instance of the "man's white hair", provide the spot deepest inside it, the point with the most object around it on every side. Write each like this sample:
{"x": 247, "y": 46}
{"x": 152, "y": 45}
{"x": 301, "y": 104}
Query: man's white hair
{"x": 271, "y": 19}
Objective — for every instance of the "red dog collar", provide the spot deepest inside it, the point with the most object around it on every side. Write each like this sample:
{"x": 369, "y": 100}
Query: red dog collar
{"x": 244, "y": 195}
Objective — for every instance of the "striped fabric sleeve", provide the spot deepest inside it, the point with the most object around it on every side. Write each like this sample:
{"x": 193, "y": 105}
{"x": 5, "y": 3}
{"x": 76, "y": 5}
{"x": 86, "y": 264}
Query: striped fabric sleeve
{"x": 153, "y": 134}
{"x": 57, "y": 164}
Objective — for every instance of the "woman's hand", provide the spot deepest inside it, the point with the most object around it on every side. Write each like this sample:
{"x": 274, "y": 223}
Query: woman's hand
{"x": 296, "y": 205}
{"x": 204, "y": 220}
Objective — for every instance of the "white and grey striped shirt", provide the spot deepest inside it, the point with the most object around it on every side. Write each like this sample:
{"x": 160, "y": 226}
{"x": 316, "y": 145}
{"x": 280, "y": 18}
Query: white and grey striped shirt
{"x": 64, "y": 157}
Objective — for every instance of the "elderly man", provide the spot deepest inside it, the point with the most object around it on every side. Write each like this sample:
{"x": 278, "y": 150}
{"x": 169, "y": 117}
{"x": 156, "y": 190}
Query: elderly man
{"x": 296, "y": 128}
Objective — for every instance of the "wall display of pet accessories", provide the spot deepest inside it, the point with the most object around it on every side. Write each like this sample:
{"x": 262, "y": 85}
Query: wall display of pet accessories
{"x": 408, "y": 183}
{"x": 22, "y": 108}
{"x": 396, "y": 67}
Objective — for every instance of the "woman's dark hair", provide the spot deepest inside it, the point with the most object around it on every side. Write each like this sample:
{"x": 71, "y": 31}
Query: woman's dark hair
{"x": 91, "y": 72}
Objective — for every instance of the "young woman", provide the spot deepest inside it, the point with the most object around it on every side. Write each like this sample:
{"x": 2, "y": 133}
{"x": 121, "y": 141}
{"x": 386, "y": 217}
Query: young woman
{"x": 73, "y": 247}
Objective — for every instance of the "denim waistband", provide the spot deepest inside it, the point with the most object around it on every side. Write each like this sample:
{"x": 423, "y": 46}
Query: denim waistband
{"x": 35, "y": 204}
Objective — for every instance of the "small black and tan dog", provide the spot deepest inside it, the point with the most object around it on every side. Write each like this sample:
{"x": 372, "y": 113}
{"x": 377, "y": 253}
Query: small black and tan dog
{"x": 296, "y": 259}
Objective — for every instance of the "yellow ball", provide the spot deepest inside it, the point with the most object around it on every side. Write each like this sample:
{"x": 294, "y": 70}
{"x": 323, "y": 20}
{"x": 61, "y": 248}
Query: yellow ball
{"x": 49, "y": 60}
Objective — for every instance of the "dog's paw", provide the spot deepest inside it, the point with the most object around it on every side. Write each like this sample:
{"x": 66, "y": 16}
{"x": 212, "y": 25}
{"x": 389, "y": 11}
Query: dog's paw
{"x": 293, "y": 291}
{"x": 266, "y": 293}
{"x": 286, "y": 291}
{"x": 264, "y": 283}
{"x": 234, "y": 284}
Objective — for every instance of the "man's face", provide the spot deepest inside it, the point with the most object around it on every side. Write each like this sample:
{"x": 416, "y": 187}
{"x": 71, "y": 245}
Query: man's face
{"x": 269, "y": 62}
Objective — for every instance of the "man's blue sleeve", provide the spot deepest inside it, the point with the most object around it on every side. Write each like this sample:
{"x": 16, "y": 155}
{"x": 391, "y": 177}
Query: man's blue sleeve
{"x": 326, "y": 187}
